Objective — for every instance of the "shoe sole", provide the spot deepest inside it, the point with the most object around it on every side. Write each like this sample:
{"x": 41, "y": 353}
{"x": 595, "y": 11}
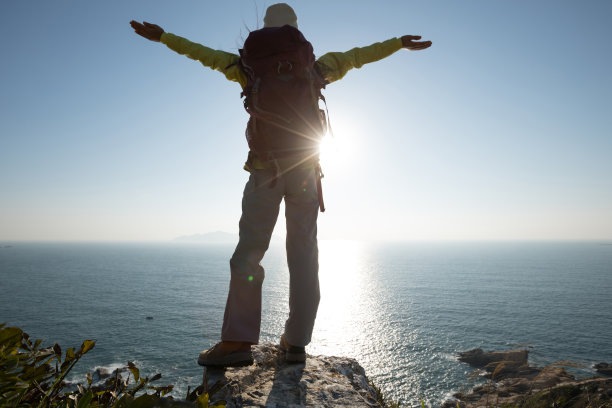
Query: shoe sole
{"x": 233, "y": 360}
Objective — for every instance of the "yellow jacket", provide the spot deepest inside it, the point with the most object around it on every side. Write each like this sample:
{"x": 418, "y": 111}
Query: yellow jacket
{"x": 332, "y": 66}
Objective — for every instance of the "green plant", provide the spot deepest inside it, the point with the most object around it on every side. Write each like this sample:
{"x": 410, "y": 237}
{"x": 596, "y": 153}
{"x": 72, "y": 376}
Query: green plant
{"x": 380, "y": 398}
{"x": 201, "y": 395}
{"x": 34, "y": 376}
{"x": 27, "y": 376}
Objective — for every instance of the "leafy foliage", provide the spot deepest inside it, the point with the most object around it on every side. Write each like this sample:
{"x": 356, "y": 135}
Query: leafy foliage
{"x": 34, "y": 376}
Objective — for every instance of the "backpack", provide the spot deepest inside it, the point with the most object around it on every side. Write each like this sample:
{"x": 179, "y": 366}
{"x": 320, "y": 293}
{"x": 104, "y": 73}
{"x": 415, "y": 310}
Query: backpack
{"x": 282, "y": 95}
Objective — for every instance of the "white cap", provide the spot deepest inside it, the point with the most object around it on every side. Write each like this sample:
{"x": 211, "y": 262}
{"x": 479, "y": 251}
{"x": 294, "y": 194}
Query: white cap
{"x": 280, "y": 14}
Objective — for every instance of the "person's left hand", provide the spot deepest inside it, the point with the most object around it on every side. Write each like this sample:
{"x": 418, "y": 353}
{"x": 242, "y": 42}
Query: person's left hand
{"x": 149, "y": 31}
{"x": 409, "y": 43}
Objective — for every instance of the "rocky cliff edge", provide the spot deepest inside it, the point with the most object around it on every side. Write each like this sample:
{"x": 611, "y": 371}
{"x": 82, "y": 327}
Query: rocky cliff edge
{"x": 270, "y": 382}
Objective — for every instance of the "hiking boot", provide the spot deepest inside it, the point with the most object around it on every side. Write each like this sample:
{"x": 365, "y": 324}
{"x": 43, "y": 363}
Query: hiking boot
{"x": 293, "y": 354}
{"x": 227, "y": 354}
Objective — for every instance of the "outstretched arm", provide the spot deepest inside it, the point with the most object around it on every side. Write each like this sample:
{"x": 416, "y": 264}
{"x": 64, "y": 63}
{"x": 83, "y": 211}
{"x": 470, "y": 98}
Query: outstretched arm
{"x": 334, "y": 65}
{"x": 221, "y": 61}
{"x": 149, "y": 31}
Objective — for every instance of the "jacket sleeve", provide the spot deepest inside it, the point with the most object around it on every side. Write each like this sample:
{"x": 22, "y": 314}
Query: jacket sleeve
{"x": 224, "y": 62}
{"x": 334, "y": 65}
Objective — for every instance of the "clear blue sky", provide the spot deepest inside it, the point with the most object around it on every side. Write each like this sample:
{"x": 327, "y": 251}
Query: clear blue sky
{"x": 501, "y": 130}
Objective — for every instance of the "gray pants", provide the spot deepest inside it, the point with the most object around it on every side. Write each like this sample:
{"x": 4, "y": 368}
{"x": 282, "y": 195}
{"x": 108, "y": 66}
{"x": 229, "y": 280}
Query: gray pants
{"x": 260, "y": 208}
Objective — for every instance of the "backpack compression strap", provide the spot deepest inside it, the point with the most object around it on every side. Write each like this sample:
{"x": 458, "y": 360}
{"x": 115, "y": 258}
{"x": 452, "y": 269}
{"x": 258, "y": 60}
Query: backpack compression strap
{"x": 319, "y": 175}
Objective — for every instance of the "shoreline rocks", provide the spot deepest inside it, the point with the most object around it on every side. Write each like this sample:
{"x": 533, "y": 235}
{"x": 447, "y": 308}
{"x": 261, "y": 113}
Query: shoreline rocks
{"x": 603, "y": 368}
{"x": 500, "y": 364}
{"x": 325, "y": 381}
{"x": 514, "y": 382}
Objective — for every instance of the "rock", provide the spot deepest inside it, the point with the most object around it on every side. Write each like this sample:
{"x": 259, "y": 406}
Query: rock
{"x": 499, "y": 364}
{"x": 603, "y": 368}
{"x": 515, "y": 383}
{"x": 595, "y": 392}
{"x": 101, "y": 373}
{"x": 479, "y": 358}
{"x": 322, "y": 381}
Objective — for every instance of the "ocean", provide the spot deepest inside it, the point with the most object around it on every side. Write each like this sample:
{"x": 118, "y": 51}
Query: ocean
{"x": 403, "y": 310}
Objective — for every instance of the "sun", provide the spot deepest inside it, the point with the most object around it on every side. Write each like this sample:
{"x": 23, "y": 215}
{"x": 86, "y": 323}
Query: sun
{"x": 336, "y": 151}
{"x": 327, "y": 149}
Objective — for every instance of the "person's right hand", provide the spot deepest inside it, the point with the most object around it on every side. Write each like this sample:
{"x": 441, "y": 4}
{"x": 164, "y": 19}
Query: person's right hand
{"x": 409, "y": 43}
{"x": 149, "y": 31}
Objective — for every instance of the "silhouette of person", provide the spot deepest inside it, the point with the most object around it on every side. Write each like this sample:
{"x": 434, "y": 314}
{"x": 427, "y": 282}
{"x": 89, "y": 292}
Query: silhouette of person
{"x": 296, "y": 184}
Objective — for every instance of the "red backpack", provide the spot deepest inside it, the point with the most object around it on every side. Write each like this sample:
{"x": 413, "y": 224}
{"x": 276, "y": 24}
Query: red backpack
{"x": 282, "y": 95}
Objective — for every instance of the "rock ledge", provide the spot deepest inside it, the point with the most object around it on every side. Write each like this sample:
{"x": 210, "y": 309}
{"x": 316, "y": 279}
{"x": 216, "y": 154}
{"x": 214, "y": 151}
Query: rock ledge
{"x": 321, "y": 382}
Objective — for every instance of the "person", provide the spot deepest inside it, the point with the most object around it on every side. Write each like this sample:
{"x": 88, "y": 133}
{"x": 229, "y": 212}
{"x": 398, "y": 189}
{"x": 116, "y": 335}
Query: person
{"x": 296, "y": 183}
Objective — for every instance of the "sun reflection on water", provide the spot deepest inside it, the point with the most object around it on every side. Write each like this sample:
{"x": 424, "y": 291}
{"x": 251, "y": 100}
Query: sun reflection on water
{"x": 346, "y": 306}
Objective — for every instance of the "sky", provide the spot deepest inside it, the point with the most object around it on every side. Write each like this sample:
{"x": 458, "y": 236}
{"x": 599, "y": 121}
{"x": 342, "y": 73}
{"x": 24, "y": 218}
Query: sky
{"x": 500, "y": 131}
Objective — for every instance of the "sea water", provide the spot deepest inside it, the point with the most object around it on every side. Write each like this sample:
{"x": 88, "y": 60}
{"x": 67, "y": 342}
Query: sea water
{"x": 403, "y": 310}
